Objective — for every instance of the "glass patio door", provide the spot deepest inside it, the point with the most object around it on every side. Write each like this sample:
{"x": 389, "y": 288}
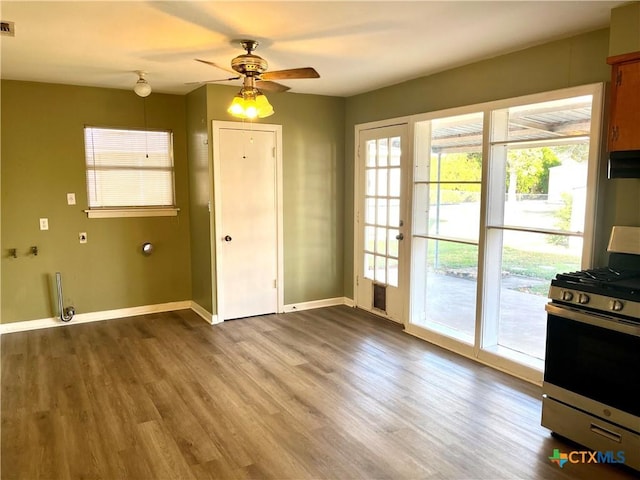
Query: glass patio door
{"x": 380, "y": 209}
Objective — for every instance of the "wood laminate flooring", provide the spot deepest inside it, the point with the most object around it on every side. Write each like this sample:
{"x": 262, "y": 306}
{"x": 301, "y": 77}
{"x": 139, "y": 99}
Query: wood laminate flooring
{"x": 332, "y": 393}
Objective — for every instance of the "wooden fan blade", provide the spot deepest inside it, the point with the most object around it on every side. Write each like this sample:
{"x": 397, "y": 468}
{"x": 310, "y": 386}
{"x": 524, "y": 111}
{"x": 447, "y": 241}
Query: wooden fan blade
{"x": 213, "y": 81}
{"x": 216, "y": 65}
{"x": 268, "y": 86}
{"x": 306, "y": 72}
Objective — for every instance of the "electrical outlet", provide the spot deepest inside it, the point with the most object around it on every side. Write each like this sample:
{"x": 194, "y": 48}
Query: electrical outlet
{"x": 71, "y": 198}
{"x": 82, "y": 236}
{"x": 44, "y": 224}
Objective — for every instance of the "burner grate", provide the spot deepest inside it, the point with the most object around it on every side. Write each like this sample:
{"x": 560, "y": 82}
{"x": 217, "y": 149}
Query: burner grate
{"x": 599, "y": 275}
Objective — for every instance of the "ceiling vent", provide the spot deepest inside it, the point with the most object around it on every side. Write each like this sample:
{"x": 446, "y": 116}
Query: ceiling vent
{"x": 7, "y": 28}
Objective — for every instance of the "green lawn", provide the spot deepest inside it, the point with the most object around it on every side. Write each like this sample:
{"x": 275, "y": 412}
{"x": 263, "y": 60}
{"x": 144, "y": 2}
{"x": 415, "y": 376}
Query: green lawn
{"x": 538, "y": 265}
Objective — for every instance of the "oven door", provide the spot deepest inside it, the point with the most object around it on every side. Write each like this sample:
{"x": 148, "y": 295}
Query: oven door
{"x": 593, "y": 363}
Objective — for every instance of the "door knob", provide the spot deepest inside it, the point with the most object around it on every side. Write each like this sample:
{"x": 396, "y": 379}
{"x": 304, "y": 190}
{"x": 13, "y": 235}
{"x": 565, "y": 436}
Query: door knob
{"x": 227, "y": 238}
{"x": 400, "y": 236}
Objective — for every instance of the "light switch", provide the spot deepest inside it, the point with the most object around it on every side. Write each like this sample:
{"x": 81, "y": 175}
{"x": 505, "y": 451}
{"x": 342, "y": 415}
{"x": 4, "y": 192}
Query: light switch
{"x": 44, "y": 224}
{"x": 71, "y": 198}
{"x": 82, "y": 236}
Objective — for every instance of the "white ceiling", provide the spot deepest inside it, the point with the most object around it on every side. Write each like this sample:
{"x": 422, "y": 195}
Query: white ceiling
{"x": 356, "y": 46}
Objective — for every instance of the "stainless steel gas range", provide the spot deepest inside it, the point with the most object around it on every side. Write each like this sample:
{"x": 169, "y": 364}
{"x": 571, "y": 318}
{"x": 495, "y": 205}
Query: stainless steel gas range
{"x": 592, "y": 365}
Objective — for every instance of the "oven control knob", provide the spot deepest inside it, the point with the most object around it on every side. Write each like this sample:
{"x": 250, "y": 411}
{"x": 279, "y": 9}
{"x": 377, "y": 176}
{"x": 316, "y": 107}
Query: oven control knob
{"x": 583, "y": 299}
{"x": 616, "y": 305}
{"x": 567, "y": 295}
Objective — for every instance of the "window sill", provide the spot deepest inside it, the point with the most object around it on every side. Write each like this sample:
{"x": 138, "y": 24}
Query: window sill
{"x": 132, "y": 212}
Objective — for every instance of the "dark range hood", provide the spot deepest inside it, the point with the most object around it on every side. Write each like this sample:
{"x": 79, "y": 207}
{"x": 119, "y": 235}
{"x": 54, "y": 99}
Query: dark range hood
{"x": 624, "y": 164}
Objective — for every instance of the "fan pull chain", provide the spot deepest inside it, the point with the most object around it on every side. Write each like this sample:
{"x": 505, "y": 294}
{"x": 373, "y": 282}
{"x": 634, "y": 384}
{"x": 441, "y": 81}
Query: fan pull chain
{"x": 244, "y": 145}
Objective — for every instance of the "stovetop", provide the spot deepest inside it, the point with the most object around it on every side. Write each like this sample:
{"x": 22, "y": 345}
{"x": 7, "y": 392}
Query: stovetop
{"x": 599, "y": 275}
{"x": 606, "y": 281}
{"x": 613, "y": 290}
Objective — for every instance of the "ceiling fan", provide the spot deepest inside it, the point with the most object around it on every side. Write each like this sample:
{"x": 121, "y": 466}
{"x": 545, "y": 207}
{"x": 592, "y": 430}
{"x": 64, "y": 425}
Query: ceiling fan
{"x": 253, "y": 69}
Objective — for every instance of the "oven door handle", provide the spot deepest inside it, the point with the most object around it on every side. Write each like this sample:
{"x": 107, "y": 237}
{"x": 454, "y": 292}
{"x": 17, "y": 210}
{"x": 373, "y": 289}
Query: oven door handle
{"x": 592, "y": 318}
{"x": 605, "y": 432}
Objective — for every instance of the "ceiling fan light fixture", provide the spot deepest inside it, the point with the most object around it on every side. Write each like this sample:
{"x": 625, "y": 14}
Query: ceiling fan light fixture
{"x": 264, "y": 107}
{"x": 237, "y": 106}
{"x": 250, "y": 104}
{"x": 142, "y": 87}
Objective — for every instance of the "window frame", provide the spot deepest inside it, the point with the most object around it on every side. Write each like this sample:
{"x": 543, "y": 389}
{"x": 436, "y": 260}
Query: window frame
{"x": 116, "y": 211}
{"x": 518, "y": 365}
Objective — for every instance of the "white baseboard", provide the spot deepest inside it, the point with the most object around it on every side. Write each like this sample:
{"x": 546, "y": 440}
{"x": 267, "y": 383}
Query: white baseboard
{"x": 158, "y": 308}
{"x": 204, "y": 313}
{"x": 93, "y": 317}
{"x": 327, "y": 302}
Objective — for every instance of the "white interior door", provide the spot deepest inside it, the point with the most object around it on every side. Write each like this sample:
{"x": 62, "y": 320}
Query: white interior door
{"x": 247, "y": 220}
{"x": 381, "y": 228}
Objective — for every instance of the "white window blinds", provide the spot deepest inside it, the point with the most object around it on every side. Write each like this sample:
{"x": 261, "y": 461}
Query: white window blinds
{"x": 129, "y": 168}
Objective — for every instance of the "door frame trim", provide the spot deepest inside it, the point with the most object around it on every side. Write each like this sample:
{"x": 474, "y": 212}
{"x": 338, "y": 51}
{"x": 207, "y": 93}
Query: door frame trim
{"x": 215, "y": 219}
{"x": 357, "y": 213}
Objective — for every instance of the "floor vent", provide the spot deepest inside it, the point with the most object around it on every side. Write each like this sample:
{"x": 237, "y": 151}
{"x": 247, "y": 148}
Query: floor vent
{"x": 7, "y": 28}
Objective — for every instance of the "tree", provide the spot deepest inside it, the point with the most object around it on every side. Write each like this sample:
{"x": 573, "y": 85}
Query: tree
{"x": 458, "y": 167}
{"x": 528, "y": 170}
{"x": 578, "y": 152}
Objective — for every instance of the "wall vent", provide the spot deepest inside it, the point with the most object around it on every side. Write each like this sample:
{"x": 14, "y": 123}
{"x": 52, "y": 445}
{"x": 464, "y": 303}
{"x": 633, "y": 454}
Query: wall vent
{"x": 7, "y": 28}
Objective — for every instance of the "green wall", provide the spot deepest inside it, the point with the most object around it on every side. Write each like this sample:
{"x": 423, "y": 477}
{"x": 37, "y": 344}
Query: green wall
{"x": 625, "y": 29}
{"x": 313, "y": 150}
{"x": 42, "y": 160}
{"x": 574, "y": 61}
{"x": 199, "y": 189}
{"x": 313, "y": 165}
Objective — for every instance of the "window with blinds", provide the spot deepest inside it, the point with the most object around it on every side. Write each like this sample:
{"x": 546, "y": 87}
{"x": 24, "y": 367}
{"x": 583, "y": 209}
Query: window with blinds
{"x": 129, "y": 169}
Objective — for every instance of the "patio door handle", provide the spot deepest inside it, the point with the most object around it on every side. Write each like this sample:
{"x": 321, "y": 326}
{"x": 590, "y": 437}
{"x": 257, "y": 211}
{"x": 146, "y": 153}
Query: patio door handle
{"x": 400, "y": 236}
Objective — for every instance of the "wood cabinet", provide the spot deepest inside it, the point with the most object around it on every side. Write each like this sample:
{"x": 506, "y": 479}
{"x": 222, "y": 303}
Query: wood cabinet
{"x": 624, "y": 121}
